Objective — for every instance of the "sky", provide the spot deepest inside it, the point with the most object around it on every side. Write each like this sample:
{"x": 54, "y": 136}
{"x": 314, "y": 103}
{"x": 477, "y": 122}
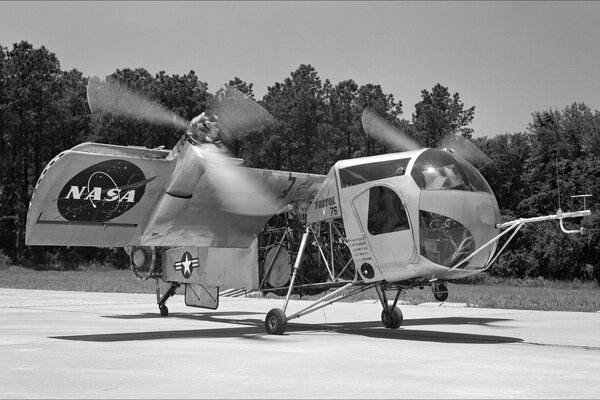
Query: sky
{"x": 508, "y": 59}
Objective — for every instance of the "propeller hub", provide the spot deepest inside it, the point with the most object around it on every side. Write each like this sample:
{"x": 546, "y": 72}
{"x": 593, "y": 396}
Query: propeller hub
{"x": 203, "y": 129}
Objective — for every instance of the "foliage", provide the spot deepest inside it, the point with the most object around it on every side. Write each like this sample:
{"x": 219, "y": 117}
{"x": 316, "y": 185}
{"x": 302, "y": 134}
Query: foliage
{"x": 439, "y": 114}
{"x": 185, "y": 95}
{"x": 43, "y": 111}
{"x": 5, "y": 260}
{"x": 482, "y": 291}
{"x": 317, "y": 123}
{"x": 508, "y": 153}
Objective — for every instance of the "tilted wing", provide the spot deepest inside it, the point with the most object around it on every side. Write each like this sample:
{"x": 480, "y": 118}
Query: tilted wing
{"x": 96, "y": 195}
{"x": 199, "y": 221}
{"x": 113, "y": 196}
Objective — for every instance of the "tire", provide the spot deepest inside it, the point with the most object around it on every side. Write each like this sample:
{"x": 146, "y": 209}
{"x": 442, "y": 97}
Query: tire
{"x": 275, "y": 322}
{"x": 441, "y": 296}
{"x": 393, "y": 319}
{"x": 164, "y": 310}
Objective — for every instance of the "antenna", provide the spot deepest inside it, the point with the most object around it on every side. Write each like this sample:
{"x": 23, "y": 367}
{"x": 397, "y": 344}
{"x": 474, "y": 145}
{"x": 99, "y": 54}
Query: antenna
{"x": 584, "y": 196}
{"x": 558, "y": 183}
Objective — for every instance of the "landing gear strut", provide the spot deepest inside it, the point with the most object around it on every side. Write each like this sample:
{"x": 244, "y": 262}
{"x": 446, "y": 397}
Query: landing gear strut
{"x": 162, "y": 300}
{"x": 276, "y": 320}
{"x": 391, "y": 316}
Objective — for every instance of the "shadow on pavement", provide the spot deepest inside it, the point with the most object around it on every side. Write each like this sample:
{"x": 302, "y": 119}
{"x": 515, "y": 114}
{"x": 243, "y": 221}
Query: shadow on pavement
{"x": 254, "y": 329}
{"x": 202, "y": 317}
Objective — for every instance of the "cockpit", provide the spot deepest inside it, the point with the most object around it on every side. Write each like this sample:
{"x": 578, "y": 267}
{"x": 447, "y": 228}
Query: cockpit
{"x": 443, "y": 239}
{"x": 440, "y": 170}
{"x": 428, "y": 207}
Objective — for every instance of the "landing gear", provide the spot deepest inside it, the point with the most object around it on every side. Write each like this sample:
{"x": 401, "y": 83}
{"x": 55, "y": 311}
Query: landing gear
{"x": 391, "y": 316}
{"x": 440, "y": 291}
{"x": 161, "y": 300}
{"x": 392, "y": 319}
{"x": 275, "y": 322}
{"x": 164, "y": 310}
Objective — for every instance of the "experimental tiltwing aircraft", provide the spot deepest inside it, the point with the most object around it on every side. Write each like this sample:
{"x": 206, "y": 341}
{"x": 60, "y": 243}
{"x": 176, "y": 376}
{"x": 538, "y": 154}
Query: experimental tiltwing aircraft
{"x": 196, "y": 217}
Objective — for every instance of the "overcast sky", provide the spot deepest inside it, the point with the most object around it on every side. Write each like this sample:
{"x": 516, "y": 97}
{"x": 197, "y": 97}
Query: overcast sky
{"x": 508, "y": 59}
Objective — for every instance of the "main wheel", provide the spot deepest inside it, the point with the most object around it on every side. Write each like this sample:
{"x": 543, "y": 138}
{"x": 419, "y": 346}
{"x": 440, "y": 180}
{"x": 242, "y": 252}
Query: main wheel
{"x": 275, "y": 322}
{"x": 164, "y": 311}
{"x": 392, "y": 319}
{"x": 442, "y": 293}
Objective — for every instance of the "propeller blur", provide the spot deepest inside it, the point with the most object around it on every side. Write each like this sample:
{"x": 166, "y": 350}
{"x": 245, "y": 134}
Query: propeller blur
{"x": 233, "y": 116}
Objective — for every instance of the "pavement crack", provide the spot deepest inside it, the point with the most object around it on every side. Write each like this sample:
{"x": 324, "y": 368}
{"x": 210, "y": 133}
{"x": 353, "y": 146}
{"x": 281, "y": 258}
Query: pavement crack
{"x": 565, "y": 346}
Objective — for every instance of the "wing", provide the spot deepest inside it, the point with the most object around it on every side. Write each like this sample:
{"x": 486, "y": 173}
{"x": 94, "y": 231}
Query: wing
{"x": 200, "y": 221}
{"x": 96, "y": 195}
{"x": 113, "y": 196}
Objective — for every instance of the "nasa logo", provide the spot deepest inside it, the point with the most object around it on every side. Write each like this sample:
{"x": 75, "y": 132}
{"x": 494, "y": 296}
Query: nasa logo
{"x": 187, "y": 265}
{"x": 102, "y": 192}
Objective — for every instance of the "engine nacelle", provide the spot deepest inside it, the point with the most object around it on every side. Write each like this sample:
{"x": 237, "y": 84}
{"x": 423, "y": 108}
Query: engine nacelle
{"x": 143, "y": 261}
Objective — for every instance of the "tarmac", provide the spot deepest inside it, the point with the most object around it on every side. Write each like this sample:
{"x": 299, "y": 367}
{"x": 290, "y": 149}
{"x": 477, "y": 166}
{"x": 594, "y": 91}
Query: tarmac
{"x": 57, "y": 344}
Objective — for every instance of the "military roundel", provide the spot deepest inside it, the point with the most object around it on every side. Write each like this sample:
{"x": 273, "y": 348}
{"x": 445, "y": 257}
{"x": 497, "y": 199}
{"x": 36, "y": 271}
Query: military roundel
{"x": 187, "y": 264}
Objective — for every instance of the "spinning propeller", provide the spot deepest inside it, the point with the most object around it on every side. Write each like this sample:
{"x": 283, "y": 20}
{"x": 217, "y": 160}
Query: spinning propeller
{"x": 382, "y": 130}
{"x": 233, "y": 116}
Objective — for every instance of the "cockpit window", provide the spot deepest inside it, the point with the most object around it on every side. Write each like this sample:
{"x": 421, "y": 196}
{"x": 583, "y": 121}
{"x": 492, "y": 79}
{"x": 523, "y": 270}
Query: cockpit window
{"x": 440, "y": 170}
{"x": 362, "y": 173}
{"x": 443, "y": 240}
{"x": 386, "y": 212}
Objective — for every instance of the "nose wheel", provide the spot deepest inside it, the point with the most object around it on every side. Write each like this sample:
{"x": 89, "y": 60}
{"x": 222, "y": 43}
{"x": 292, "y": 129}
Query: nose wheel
{"x": 392, "y": 318}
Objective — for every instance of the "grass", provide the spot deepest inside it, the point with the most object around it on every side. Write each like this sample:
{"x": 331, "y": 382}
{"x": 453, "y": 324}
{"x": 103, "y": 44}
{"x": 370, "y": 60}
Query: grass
{"x": 486, "y": 292}
{"x": 85, "y": 280}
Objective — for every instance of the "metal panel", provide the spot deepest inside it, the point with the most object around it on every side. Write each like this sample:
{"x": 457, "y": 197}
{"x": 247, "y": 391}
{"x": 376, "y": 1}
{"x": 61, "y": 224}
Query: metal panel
{"x": 94, "y": 199}
{"x": 199, "y": 221}
{"x": 212, "y": 266}
{"x": 203, "y": 296}
{"x": 326, "y": 204}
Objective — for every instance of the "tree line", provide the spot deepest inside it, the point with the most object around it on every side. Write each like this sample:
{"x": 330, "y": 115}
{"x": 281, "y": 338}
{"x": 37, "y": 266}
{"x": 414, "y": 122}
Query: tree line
{"x": 44, "y": 110}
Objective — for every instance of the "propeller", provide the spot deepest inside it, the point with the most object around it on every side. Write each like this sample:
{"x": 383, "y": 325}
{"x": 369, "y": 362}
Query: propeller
{"x": 381, "y": 129}
{"x": 111, "y": 97}
{"x": 239, "y": 191}
{"x": 233, "y": 116}
{"x": 238, "y": 114}
{"x": 378, "y": 128}
{"x": 465, "y": 149}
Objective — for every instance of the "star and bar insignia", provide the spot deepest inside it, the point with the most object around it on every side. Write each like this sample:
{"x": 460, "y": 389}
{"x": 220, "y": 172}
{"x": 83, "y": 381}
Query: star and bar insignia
{"x": 187, "y": 265}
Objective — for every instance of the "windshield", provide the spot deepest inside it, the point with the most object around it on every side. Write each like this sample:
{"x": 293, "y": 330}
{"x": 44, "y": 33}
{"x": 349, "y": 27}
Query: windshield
{"x": 440, "y": 170}
{"x": 362, "y": 173}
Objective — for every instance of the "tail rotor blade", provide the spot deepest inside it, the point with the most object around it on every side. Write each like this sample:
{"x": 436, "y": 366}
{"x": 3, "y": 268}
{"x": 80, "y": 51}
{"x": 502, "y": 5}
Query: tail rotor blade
{"x": 378, "y": 128}
{"x": 111, "y": 97}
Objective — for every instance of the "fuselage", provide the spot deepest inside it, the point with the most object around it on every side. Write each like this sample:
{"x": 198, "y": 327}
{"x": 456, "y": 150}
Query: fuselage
{"x": 424, "y": 213}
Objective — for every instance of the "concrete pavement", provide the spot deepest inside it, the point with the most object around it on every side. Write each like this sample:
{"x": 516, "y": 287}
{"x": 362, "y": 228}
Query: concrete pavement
{"x": 56, "y": 344}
